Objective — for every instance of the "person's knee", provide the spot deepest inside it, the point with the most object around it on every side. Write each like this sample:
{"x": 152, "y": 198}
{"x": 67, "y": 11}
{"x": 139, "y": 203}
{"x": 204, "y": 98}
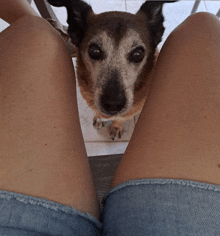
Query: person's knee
{"x": 202, "y": 17}
{"x": 36, "y": 31}
{"x": 198, "y": 30}
{"x": 198, "y": 24}
{"x": 202, "y": 21}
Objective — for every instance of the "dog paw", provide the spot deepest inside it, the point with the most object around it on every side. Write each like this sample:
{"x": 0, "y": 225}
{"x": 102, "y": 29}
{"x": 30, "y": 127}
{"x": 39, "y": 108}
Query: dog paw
{"x": 115, "y": 131}
{"x": 98, "y": 123}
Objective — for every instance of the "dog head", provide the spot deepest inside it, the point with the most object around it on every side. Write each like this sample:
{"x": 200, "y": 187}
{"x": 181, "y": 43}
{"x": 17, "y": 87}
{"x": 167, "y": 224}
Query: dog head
{"x": 114, "y": 51}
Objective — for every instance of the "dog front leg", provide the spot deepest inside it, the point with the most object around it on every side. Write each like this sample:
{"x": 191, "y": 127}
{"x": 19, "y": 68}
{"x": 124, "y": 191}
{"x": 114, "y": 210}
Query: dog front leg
{"x": 115, "y": 130}
{"x": 98, "y": 123}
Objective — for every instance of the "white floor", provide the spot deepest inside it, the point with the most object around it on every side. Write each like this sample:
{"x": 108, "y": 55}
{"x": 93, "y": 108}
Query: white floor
{"x": 99, "y": 142}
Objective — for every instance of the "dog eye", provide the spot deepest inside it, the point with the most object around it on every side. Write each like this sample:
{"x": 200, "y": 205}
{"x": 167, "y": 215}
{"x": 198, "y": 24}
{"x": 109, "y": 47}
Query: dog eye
{"x": 137, "y": 55}
{"x": 95, "y": 52}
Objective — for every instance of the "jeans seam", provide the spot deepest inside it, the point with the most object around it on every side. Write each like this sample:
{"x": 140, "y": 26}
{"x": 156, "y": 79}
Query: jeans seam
{"x": 46, "y": 204}
{"x": 182, "y": 182}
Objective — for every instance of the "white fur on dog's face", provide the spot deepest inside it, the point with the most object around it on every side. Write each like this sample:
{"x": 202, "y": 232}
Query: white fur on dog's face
{"x": 116, "y": 59}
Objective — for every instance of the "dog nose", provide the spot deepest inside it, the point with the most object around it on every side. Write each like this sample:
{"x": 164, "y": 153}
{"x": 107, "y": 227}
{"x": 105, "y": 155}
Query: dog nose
{"x": 113, "y": 99}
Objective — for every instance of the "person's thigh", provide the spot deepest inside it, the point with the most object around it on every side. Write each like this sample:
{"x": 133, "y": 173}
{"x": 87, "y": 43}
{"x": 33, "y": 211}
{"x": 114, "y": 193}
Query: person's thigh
{"x": 42, "y": 148}
{"x": 177, "y": 134}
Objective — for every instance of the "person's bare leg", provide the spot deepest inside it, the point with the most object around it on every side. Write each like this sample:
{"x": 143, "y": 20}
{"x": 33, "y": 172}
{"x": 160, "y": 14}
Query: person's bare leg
{"x": 178, "y": 133}
{"x": 42, "y": 149}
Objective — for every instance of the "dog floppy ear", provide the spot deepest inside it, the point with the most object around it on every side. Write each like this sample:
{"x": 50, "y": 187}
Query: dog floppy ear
{"x": 155, "y": 19}
{"x": 77, "y": 17}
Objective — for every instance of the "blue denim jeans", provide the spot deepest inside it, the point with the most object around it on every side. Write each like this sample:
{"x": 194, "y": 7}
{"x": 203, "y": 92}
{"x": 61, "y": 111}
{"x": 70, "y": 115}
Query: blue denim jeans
{"x": 162, "y": 207}
{"x": 153, "y": 207}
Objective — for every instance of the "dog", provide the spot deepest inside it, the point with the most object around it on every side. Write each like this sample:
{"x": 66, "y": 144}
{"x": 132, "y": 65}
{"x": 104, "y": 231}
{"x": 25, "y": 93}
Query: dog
{"x": 116, "y": 57}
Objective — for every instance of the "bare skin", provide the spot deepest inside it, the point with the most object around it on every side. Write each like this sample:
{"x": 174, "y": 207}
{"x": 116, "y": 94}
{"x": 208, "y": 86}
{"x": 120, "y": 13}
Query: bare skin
{"x": 43, "y": 152}
{"x": 12, "y": 10}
